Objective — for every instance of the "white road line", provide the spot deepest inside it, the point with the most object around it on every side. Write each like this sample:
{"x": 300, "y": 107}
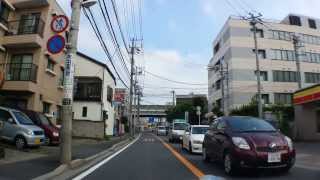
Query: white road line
{"x": 93, "y": 168}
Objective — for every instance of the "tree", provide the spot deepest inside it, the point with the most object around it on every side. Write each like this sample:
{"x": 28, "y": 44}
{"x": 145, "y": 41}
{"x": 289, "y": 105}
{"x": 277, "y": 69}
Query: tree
{"x": 178, "y": 111}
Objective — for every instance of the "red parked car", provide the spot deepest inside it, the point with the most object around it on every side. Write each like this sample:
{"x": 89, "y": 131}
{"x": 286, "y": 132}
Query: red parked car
{"x": 247, "y": 142}
{"x": 50, "y": 130}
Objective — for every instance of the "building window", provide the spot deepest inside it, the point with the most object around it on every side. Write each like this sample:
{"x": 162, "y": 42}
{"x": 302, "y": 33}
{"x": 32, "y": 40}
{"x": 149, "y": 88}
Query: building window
{"x": 4, "y": 13}
{"x": 286, "y": 55}
{"x": 261, "y": 53}
{"x": 281, "y": 35}
{"x": 216, "y": 47}
{"x": 50, "y": 64}
{"x": 88, "y": 89}
{"x": 312, "y": 57}
{"x": 260, "y": 33}
{"x": 310, "y": 39}
{"x": 30, "y": 24}
{"x": 61, "y": 79}
{"x": 21, "y": 68}
{"x": 263, "y": 75}
{"x": 312, "y": 23}
{"x": 282, "y": 98}
{"x": 312, "y": 77}
{"x": 295, "y": 20}
{"x": 109, "y": 94}
{"x": 46, "y": 108}
{"x": 218, "y": 84}
{"x": 285, "y": 76}
{"x": 265, "y": 98}
{"x": 84, "y": 111}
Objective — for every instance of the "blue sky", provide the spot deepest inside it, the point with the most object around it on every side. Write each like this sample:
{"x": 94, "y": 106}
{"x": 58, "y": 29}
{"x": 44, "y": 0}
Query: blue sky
{"x": 178, "y": 36}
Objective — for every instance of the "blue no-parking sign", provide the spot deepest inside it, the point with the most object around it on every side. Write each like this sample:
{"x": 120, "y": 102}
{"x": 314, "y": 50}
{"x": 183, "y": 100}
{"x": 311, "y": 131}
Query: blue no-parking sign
{"x": 56, "y": 44}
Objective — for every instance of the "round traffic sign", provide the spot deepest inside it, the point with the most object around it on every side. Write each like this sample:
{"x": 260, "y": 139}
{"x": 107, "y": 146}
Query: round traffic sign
{"x": 59, "y": 23}
{"x": 56, "y": 44}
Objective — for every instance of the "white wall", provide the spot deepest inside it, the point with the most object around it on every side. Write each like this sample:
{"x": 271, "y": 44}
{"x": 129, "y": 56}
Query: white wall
{"x": 87, "y": 68}
{"x": 93, "y": 111}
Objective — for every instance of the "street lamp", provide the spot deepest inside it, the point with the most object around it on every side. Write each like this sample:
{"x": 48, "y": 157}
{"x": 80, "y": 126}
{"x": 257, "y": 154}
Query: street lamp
{"x": 88, "y": 3}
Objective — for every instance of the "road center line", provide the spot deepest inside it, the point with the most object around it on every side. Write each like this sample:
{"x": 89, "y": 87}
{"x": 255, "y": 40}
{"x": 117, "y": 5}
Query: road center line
{"x": 93, "y": 168}
{"x": 197, "y": 172}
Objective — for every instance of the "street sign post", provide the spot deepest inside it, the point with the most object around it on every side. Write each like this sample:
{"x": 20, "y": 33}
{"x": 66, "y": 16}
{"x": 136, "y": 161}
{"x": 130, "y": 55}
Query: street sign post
{"x": 56, "y": 44}
{"x": 59, "y": 23}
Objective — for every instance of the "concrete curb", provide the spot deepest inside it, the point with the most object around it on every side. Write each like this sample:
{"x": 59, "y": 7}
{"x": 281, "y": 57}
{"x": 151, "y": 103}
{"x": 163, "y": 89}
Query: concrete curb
{"x": 79, "y": 165}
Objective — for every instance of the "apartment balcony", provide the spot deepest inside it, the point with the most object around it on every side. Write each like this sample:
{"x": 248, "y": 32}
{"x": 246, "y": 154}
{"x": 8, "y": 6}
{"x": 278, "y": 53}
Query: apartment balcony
{"x": 24, "y": 33}
{"x": 20, "y": 77}
{"x": 28, "y": 4}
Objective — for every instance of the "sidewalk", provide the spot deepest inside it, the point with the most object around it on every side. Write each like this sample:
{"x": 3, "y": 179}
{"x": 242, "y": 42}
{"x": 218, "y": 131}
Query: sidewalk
{"x": 36, "y": 162}
{"x": 308, "y": 155}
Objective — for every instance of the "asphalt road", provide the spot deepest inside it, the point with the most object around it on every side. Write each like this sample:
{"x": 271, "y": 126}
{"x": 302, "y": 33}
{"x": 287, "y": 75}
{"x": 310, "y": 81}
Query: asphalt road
{"x": 150, "y": 159}
{"x": 147, "y": 159}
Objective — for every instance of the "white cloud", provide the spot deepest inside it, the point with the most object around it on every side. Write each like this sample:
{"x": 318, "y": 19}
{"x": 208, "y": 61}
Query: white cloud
{"x": 176, "y": 66}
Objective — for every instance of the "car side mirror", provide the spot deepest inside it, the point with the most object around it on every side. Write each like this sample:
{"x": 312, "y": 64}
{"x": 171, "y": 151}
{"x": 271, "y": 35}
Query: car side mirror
{"x": 10, "y": 120}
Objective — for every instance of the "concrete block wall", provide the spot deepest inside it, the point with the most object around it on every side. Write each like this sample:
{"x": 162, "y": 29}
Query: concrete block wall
{"x": 88, "y": 129}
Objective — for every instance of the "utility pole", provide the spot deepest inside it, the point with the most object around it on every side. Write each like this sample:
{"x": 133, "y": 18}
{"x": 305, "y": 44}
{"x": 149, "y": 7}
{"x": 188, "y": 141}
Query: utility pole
{"x": 296, "y": 46}
{"x": 173, "y": 97}
{"x": 222, "y": 86}
{"x": 226, "y": 113}
{"x": 254, "y": 20}
{"x": 66, "y": 128}
{"x": 139, "y": 98}
{"x": 131, "y": 87}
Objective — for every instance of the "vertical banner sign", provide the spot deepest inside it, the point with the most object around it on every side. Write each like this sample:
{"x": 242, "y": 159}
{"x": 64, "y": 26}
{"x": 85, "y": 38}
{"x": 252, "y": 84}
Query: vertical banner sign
{"x": 69, "y": 72}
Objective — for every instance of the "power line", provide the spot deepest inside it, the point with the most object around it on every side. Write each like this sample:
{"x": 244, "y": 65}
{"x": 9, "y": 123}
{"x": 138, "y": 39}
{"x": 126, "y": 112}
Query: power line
{"x": 242, "y": 6}
{"x": 102, "y": 43}
{"x": 233, "y": 7}
{"x": 170, "y": 80}
{"x": 114, "y": 5}
{"x": 140, "y": 18}
{"x": 110, "y": 29}
{"x": 147, "y": 87}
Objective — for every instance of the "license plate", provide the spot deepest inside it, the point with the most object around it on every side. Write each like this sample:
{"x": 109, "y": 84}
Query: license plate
{"x": 37, "y": 141}
{"x": 274, "y": 157}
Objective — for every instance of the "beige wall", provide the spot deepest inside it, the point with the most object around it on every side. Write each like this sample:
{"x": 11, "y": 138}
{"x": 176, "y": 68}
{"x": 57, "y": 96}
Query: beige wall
{"x": 47, "y": 83}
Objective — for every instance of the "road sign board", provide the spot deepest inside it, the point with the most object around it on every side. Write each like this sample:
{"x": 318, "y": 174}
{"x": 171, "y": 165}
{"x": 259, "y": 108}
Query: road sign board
{"x": 59, "y": 23}
{"x": 56, "y": 44}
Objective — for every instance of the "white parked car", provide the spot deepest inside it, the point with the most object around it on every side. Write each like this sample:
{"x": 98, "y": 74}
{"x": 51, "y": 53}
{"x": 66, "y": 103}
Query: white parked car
{"x": 193, "y": 138}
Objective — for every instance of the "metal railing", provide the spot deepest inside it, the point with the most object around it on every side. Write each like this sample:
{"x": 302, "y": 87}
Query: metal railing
{"x": 20, "y": 71}
{"x": 25, "y": 26}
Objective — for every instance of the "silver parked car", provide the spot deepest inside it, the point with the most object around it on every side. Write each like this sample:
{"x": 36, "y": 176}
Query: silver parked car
{"x": 16, "y": 127}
